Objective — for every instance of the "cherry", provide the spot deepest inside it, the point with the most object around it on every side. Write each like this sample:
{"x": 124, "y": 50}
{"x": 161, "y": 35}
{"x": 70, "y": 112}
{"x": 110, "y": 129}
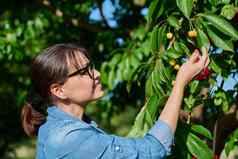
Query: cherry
{"x": 192, "y": 33}
{"x": 169, "y": 35}
{"x": 204, "y": 74}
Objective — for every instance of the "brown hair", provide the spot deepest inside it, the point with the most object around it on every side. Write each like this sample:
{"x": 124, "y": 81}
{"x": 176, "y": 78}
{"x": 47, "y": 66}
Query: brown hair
{"x": 50, "y": 66}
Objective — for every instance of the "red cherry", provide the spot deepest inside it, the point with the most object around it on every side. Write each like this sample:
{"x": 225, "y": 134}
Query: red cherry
{"x": 204, "y": 74}
{"x": 235, "y": 18}
{"x": 216, "y": 157}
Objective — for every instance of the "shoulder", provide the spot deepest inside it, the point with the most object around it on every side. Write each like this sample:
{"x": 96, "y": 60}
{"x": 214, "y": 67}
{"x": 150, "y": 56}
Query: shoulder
{"x": 59, "y": 138}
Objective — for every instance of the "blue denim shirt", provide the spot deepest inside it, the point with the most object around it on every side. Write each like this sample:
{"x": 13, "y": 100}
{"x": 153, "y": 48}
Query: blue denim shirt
{"x": 63, "y": 136}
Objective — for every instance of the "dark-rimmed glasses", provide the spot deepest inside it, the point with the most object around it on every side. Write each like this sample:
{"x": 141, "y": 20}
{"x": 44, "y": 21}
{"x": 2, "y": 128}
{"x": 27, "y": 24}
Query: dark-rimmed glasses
{"x": 88, "y": 69}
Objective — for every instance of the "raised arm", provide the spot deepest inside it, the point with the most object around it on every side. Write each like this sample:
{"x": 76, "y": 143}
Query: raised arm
{"x": 188, "y": 70}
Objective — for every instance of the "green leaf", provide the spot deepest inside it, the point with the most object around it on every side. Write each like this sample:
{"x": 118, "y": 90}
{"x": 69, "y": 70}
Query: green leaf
{"x": 177, "y": 47}
{"x": 104, "y": 75}
{"x": 152, "y": 105}
{"x": 219, "y": 42}
{"x": 198, "y": 148}
{"x": 225, "y": 105}
{"x": 228, "y": 11}
{"x": 181, "y": 47}
{"x": 134, "y": 61}
{"x": 189, "y": 101}
{"x": 154, "y": 40}
{"x": 229, "y": 147}
{"x": 162, "y": 37}
{"x": 172, "y": 53}
{"x": 138, "y": 33}
{"x": 202, "y": 130}
{"x": 167, "y": 73}
{"x": 156, "y": 9}
{"x": 215, "y": 67}
{"x": 185, "y": 6}
{"x": 111, "y": 78}
{"x": 232, "y": 142}
{"x": 160, "y": 70}
{"x": 217, "y": 2}
{"x": 202, "y": 39}
{"x": 213, "y": 2}
{"x": 137, "y": 128}
{"x": 185, "y": 48}
{"x": 149, "y": 87}
{"x": 126, "y": 71}
{"x": 155, "y": 83}
{"x": 222, "y": 25}
{"x": 217, "y": 101}
{"x": 116, "y": 58}
{"x": 139, "y": 53}
{"x": 194, "y": 86}
{"x": 173, "y": 21}
{"x": 148, "y": 119}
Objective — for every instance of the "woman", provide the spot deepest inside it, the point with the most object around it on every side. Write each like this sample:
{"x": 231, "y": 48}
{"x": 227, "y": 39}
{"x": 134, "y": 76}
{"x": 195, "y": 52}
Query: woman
{"x": 64, "y": 82}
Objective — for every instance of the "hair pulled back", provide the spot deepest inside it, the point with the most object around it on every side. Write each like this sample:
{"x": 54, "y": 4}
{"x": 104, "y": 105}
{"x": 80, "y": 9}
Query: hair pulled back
{"x": 50, "y": 66}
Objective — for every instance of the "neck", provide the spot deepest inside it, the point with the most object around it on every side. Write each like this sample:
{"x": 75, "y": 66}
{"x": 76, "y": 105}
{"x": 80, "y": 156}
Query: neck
{"x": 72, "y": 109}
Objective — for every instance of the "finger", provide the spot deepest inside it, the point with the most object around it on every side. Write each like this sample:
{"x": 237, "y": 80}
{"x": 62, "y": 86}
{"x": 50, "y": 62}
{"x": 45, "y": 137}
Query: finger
{"x": 195, "y": 57}
{"x": 207, "y": 61}
{"x": 204, "y": 55}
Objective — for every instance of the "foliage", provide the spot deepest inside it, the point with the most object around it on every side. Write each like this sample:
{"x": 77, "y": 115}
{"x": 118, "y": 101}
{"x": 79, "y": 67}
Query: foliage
{"x": 172, "y": 32}
{"x": 138, "y": 71}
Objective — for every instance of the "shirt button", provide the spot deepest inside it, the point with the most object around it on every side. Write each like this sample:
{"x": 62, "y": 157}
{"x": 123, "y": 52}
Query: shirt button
{"x": 117, "y": 148}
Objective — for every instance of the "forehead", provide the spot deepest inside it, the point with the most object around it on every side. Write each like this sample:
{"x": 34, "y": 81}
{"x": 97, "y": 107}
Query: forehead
{"x": 77, "y": 60}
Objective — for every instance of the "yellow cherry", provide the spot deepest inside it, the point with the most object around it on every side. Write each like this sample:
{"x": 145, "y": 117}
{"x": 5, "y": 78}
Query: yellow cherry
{"x": 172, "y": 62}
{"x": 173, "y": 82}
{"x": 176, "y": 67}
{"x": 192, "y": 33}
{"x": 169, "y": 35}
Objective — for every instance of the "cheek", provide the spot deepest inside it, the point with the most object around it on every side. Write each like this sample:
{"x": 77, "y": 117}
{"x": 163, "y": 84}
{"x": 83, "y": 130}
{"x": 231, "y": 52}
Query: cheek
{"x": 80, "y": 89}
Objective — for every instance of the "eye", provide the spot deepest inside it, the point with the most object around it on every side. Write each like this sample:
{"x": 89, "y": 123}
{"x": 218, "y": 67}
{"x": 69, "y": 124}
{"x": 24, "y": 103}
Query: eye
{"x": 83, "y": 72}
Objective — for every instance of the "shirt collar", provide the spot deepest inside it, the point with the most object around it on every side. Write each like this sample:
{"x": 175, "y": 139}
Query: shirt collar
{"x": 57, "y": 113}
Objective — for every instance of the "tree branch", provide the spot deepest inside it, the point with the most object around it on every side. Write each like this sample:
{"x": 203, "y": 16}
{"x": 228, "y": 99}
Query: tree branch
{"x": 99, "y": 4}
{"x": 81, "y": 24}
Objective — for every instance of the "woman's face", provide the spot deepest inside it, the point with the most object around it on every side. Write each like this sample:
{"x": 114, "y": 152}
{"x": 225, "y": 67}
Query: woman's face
{"x": 83, "y": 85}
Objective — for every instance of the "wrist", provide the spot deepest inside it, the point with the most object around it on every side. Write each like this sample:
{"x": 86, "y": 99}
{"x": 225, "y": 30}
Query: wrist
{"x": 180, "y": 83}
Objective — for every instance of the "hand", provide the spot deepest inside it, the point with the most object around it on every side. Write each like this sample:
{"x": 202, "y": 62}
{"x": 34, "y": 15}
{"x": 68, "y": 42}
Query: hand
{"x": 193, "y": 66}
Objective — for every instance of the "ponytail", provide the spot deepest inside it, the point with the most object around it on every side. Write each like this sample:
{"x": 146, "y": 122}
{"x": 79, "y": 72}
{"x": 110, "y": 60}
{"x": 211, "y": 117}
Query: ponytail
{"x": 33, "y": 114}
{"x": 31, "y": 120}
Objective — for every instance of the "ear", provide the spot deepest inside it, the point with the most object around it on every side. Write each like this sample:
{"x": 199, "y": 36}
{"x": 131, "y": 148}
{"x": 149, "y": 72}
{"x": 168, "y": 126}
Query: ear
{"x": 57, "y": 90}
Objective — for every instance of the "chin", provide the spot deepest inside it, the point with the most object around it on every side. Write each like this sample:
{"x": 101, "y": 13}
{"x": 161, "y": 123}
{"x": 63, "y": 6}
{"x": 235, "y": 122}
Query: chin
{"x": 98, "y": 95}
{"x": 101, "y": 94}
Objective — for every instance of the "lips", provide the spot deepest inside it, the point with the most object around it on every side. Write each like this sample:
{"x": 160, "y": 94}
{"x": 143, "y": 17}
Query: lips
{"x": 97, "y": 80}
{"x": 97, "y": 83}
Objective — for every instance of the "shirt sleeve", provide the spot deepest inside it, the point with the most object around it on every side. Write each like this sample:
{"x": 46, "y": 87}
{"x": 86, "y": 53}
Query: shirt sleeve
{"x": 95, "y": 143}
{"x": 105, "y": 146}
{"x": 89, "y": 143}
{"x": 163, "y": 133}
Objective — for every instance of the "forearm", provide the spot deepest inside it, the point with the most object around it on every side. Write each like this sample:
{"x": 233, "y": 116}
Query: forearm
{"x": 170, "y": 113}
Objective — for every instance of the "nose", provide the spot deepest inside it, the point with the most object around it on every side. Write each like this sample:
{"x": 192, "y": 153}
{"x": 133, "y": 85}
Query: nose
{"x": 96, "y": 73}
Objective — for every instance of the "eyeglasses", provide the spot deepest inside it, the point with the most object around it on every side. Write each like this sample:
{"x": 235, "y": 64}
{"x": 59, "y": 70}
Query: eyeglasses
{"x": 88, "y": 69}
